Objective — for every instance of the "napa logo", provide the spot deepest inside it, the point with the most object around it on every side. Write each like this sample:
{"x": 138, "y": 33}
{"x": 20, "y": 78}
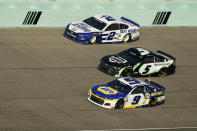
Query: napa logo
{"x": 107, "y": 90}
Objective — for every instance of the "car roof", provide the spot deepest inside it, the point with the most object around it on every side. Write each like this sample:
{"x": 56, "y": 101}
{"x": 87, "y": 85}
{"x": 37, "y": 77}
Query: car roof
{"x": 132, "y": 82}
{"x": 139, "y": 51}
{"x": 108, "y": 22}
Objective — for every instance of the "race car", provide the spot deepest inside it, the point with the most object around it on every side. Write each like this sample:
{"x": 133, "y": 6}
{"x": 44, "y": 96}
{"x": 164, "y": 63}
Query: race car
{"x": 127, "y": 92}
{"x": 138, "y": 62}
{"x": 103, "y": 29}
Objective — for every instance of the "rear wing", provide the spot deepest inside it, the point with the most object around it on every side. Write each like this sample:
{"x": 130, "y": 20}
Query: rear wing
{"x": 154, "y": 84}
{"x": 129, "y": 21}
{"x": 165, "y": 54}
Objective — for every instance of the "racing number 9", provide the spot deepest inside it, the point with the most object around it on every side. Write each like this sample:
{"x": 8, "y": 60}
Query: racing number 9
{"x": 136, "y": 99}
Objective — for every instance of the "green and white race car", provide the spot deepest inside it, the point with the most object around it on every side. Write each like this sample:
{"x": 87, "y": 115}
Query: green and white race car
{"x": 138, "y": 62}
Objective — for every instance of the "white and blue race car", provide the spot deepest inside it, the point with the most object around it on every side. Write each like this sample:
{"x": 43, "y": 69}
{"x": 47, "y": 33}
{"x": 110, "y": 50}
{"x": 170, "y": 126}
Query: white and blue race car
{"x": 103, "y": 29}
{"x": 127, "y": 92}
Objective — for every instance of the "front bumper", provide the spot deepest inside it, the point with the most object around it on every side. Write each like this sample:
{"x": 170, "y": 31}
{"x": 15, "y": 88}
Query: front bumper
{"x": 111, "y": 70}
{"x": 76, "y": 37}
{"x": 109, "y": 104}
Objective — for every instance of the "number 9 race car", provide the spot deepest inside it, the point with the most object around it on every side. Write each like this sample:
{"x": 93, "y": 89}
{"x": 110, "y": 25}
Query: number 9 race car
{"x": 103, "y": 29}
{"x": 127, "y": 92}
{"x": 138, "y": 62}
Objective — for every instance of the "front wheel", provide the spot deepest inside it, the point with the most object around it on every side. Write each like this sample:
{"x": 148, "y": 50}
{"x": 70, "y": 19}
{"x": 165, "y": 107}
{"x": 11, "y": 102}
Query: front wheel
{"x": 119, "y": 104}
{"x": 128, "y": 72}
{"x": 93, "y": 39}
{"x": 126, "y": 38}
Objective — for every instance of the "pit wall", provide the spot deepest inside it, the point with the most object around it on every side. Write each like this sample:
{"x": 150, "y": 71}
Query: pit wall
{"x": 59, "y": 14}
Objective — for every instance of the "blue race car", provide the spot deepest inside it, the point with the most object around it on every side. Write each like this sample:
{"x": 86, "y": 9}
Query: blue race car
{"x": 127, "y": 92}
{"x": 102, "y": 29}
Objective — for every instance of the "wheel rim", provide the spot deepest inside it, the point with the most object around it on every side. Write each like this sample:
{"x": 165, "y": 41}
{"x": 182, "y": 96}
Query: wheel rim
{"x": 126, "y": 38}
{"x": 162, "y": 74}
{"x": 152, "y": 102}
{"x": 119, "y": 105}
{"x": 93, "y": 40}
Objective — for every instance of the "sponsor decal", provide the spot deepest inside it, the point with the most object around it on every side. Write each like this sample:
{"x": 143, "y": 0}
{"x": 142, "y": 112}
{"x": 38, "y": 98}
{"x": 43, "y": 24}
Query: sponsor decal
{"x": 32, "y": 17}
{"x": 157, "y": 93}
{"x": 161, "y": 18}
{"x": 107, "y": 90}
{"x": 118, "y": 60}
{"x": 82, "y": 26}
{"x": 132, "y": 30}
{"x": 161, "y": 64}
{"x": 147, "y": 95}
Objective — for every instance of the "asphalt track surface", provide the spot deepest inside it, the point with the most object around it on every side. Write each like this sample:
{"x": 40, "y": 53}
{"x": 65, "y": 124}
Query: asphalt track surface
{"x": 45, "y": 78}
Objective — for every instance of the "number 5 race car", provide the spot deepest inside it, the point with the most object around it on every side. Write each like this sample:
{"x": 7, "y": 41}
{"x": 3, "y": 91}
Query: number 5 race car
{"x": 138, "y": 62}
{"x": 103, "y": 29}
{"x": 127, "y": 93}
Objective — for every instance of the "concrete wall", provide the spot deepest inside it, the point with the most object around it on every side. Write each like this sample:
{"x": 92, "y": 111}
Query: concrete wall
{"x": 58, "y": 14}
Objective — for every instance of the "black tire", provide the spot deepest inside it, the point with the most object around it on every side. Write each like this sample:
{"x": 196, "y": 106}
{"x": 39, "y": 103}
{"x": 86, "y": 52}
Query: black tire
{"x": 93, "y": 39}
{"x": 162, "y": 72}
{"x": 126, "y": 38}
{"x": 119, "y": 104}
{"x": 128, "y": 72}
{"x": 152, "y": 102}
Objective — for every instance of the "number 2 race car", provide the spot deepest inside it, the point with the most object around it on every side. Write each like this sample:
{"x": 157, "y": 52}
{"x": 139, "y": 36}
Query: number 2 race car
{"x": 138, "y": 62}
{"x": 103, "y": 29}
{"x": 127, "y": 93}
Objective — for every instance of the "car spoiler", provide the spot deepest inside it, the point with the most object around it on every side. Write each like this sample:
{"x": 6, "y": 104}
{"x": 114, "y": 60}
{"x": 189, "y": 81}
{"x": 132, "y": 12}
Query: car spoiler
{"x": 163, "y": 53}
{"x": 130, "y": 21}
{"x": 154, "y": 84}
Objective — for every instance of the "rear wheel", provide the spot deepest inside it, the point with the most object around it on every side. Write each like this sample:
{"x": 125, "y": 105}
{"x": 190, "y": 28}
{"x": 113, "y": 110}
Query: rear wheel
{"x": 119, "y": 104}
{"x": 93, "y": 39}
{"x": 126, "y": 38}
{"x": 162, "y": 72}
{"x": 152, "y": 102}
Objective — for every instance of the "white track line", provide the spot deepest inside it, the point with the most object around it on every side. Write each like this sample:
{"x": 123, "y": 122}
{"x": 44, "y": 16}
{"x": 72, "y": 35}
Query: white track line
{"x": 145, "y": 129}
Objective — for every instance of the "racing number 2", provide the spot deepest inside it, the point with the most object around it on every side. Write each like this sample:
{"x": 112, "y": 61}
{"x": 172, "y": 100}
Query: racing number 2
{"x": 110, "y": 36}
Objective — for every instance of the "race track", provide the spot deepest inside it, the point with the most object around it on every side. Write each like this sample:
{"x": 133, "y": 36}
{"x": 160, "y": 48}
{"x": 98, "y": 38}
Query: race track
{"x": 45, "y": 78}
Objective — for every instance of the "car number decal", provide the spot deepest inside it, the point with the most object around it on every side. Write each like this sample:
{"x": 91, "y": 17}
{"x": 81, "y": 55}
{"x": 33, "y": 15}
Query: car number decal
{"x": 136, "y": 99}
{"x": 109, "y": 36}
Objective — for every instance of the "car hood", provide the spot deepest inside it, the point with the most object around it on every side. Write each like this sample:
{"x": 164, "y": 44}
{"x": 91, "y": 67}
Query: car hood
{"x": 115, "y": 60}
{"x": 81, "y": 27}
{"x": 107, "y": 92}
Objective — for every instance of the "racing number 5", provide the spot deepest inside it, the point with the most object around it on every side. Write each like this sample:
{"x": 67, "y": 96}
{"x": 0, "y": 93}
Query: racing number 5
{"x": 146, "y": 70}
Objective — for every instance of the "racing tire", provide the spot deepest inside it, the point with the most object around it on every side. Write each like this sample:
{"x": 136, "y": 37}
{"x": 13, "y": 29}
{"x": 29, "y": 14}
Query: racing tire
{"x": 119, "y": 104}
{"x": 128, "y": 72}
{"x": 152, "y": 102}
{"x": 126, "y": 38}
{"x": 93, "y": 40}
{"x": 162, "y": 72}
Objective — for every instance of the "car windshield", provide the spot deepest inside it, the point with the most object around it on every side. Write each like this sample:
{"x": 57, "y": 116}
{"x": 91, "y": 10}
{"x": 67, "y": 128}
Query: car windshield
{"x": 95, "y": 23}
{"x": 120, "y": 86}
{"x": 130, "y": 56}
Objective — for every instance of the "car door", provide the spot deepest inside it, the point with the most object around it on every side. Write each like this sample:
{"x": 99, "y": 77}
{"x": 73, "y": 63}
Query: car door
{"x": 136, "y": 97}
{"x": 147, "y": 66}
{"x": 111, "y": 33}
